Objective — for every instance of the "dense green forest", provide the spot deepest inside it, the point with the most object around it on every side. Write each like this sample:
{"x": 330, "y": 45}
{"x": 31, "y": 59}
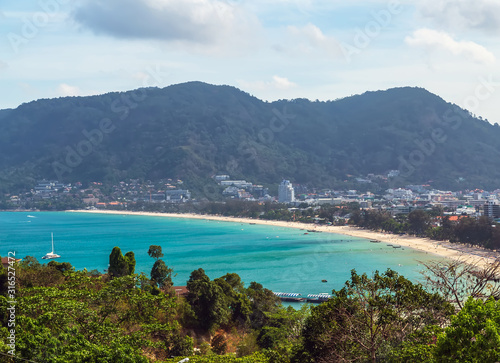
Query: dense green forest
{"x": 64, "y": 315}
{"x": 194, "y": 130}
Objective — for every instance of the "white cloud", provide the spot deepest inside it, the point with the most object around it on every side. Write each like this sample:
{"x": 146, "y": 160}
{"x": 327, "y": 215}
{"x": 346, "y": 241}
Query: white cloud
{"x": 202, "y": 22}
{"x": 435, "y": 40}
{"x": 282, "y": 83}
{"x": 277, "y": 83}
{"x": 310, "y": 39}
{"x": 462, "y": 14}
{"x": 66, "y": 90}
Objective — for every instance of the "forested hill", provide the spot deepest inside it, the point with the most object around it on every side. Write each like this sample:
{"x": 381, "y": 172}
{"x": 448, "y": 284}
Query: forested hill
{"x": 194, "y": 130}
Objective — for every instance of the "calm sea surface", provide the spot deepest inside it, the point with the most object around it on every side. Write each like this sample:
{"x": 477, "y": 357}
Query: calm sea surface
{"x": 282, "y": 259}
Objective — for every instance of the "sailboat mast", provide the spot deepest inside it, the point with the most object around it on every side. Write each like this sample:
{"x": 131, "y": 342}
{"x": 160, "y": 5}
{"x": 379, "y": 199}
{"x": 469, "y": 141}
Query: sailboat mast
{"x": 52, "y": 235}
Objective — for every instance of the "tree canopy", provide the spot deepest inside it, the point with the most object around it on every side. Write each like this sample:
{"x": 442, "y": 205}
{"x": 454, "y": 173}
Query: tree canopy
{"x": 120, "y": 265}
{"x": 213, "y": 128}
{"x": 155, "y": 252}
{"x": 368, "y": 317}
{"x": 64, "y": 315}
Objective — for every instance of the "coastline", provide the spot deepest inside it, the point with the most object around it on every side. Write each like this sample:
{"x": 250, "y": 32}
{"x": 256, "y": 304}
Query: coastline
{"x": 473, "y": 255}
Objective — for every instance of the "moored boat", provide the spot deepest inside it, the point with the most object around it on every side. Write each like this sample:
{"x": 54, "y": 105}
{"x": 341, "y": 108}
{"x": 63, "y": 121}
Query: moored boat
{"x": 51, "y": 254}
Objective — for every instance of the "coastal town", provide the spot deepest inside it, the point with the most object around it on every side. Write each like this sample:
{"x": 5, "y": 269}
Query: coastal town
{"x": 128, "y": 194}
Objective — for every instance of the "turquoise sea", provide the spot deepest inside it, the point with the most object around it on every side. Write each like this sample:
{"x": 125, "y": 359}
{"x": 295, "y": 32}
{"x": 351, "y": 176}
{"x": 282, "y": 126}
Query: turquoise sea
{"x": 282, "y": 259}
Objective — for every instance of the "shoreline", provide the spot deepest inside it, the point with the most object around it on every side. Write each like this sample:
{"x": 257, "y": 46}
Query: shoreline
{"x": 456, "y": 251}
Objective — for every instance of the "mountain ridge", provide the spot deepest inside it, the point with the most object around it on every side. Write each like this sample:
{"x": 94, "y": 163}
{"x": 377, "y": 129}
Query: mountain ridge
{"x": 194, "y": 130}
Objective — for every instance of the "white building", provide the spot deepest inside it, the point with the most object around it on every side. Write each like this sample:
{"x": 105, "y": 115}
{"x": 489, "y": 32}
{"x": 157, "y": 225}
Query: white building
{"x": 237, "y": 183}
{"x": 286, "y": 194}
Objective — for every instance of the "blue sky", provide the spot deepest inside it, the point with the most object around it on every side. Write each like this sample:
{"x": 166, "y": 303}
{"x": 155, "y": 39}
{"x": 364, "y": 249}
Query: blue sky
{"x": 273, "y": 49}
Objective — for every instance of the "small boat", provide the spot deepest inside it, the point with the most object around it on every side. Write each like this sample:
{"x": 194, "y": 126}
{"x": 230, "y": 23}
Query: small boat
{"x": 306, "y": 233}
{"x": 396, "y": 246}
{"x": 374, "y": 241}
{"x": 51, "y": 254}
{"x": 252, "y": 223}
{"x": 324, "y": 281}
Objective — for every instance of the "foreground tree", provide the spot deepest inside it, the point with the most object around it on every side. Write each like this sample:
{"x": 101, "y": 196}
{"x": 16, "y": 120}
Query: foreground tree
{"x": 61, "y": 266}
{"x": 416, "y": 348}
{"x": 208, "y": 301}
{"x": 237, "y": 301}
{"x": 155, "y": 252}
{"x": 368, "y": 317}
{"x": 263, "y": 302}
{"x": 473, "y": 335}
{"x": 283, "y": 332}
{"x": 456, "y": 280}
{"x": 120, "y": 265}
{"x": 130, "y": 259}
{"x": 86, "y": 319}
{"x": 161, "y": 275}
{"x": 32, "y": 273}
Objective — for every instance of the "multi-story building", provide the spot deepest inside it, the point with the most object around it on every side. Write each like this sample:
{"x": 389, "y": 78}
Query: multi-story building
{"x": 492, "y": 209}
{"x": 177, "y": 195}
{"x": 286, "y": 194}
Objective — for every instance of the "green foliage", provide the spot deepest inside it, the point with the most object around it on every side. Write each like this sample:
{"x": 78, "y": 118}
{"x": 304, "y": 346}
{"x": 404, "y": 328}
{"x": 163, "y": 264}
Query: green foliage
{"x": 255, "y": 358}
{"x": 120, "y": 265}
{"x": 181, "y": 345}
{"x": 204, "y": 348}
{"x": 171, "y": 129}
{"x": 236, "y": 299}
{"x": 368, "y": 317}
{"x": 63, "y": 315}
{"x": 4, "y": 281}
{"x": 130, "y": 259}
{"x": 418, "y": 347}
{"x": 418, "y": 221}
{"x": 281, "y": 335}
{"x": 84, "y": 319}
{"x": 473, "y": 335}
{"x": 263, "y": 302}
{"x": 155, "y": 252}
{"x": 161, "y": 275}
{"x": 207, "y": 300}
{"x": 33, "y": 274}
{"x": 248, "y": 345}
{"x": 61, "y": 266}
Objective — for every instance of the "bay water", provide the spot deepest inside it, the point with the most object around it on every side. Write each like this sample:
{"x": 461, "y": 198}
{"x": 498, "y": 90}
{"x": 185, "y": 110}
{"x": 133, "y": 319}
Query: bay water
{"x": 282, "y": 259}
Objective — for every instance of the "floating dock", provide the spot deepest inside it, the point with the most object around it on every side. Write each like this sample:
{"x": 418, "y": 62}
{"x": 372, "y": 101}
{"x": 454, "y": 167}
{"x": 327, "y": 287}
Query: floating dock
{"x": 318, "y": 298}
{"x": 296, "y": 297}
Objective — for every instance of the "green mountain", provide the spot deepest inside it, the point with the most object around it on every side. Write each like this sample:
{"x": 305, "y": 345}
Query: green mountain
{"x": 194, "y": 130}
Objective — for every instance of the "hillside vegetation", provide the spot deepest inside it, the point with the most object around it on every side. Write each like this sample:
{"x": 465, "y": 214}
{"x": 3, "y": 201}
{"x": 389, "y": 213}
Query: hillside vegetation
{"x": 52, "y": 313}
{"x": 194, "y": 130}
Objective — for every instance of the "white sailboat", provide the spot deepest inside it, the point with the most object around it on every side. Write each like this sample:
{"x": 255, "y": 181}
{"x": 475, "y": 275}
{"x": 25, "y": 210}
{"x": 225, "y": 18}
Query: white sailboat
{"x": 51, "y": 254}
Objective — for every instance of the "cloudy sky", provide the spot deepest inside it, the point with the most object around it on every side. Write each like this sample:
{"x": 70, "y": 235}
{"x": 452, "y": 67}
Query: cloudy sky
{"x": 272, "y": 49}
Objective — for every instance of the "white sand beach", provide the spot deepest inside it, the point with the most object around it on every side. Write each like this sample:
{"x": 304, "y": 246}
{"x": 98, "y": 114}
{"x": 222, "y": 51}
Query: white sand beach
{"x": 473, "y": 255}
